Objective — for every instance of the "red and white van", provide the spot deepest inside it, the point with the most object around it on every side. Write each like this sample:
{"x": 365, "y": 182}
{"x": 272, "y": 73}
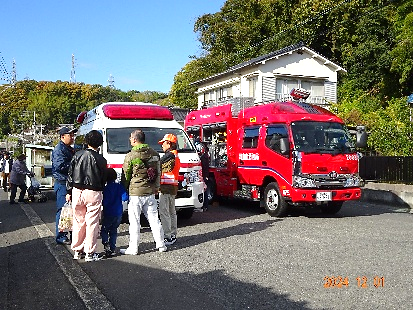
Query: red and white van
{"x": 116, "y": 120}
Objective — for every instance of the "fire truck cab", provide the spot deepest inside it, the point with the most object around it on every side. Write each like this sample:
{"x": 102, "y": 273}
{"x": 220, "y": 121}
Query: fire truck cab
{"x": 116, "y": 120}
{"x": 282, "y": 154}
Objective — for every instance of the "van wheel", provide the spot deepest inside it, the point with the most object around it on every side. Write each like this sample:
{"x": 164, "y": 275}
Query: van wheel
{"x": 273, "y": 202}
{"x": 331, "y": 207}
{"x": 186, "y": 213}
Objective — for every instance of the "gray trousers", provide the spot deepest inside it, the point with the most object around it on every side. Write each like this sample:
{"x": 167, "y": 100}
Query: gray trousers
{"x": 167, "y": 213}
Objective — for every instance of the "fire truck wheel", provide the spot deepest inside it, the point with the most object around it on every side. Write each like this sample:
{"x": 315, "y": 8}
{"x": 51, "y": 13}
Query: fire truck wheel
{"x": 332, "y": 207}
{"x": 274, "y": 203}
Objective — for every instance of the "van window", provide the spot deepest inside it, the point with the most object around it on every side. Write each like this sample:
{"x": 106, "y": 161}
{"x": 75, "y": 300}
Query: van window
{"x": 250, "y": 140}
{"x": 118, "y": 139}
{"x": 80, "y": 143}
{"x": 274, "y": 134}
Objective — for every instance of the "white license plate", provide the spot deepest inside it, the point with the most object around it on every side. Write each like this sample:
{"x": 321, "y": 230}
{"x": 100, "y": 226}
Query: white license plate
{"x": 323, "y": 196}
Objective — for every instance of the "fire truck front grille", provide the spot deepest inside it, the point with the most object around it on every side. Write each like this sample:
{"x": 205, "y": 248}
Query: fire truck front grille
{"x": 330, "y": 186}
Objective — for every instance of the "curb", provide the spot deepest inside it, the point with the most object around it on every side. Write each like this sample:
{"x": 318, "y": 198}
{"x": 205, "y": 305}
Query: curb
{"x": 398, "y": 195}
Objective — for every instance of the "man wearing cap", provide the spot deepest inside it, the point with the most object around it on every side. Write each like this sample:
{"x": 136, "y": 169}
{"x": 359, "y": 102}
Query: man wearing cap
{"x": 61, "y": 157}
{"x": 170, "y": 165}
{"x": 18, "y": 178}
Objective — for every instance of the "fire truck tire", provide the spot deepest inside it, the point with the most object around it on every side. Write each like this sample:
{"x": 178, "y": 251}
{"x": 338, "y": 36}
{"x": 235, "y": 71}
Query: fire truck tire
{"x": 274, "y": 203}
{"x": 332, "y": 207}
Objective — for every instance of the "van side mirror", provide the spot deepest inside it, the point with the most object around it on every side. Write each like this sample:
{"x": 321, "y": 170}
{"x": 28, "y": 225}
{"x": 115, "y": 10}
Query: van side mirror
{"x": 285, "y": 146}
{"x": 361, "y": 137}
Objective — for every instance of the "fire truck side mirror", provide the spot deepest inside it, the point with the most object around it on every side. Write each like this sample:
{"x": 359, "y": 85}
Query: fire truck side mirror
{"x": 285, "y": 146}
{"x": 361, "y": 137}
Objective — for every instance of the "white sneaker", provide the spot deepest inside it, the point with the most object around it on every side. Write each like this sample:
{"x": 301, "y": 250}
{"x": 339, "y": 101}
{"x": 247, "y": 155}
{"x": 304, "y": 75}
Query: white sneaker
{"x": 92, "y": 257}
{"x": 163, "y": 249}
{"x": 79, "y": 255}
{"x": 127, "y": 252}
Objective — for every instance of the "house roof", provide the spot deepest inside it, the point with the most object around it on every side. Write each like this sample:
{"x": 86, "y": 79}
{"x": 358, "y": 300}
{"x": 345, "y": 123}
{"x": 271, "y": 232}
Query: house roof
{"x": 275, "y": 54}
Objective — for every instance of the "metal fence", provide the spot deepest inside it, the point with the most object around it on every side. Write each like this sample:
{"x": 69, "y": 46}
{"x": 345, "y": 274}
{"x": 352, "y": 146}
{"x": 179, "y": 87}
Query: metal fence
{"x": 392, "y": 169}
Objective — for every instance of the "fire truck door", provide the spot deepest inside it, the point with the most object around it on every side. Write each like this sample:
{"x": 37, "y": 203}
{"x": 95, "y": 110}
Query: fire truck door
{"x": 249, "y": 157}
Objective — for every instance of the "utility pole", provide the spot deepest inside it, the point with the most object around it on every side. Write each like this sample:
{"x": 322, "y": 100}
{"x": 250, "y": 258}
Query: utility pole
{"x": 111, "y": 81}
{"x": 72, "y": 73}
{"x": 13, "y": 73}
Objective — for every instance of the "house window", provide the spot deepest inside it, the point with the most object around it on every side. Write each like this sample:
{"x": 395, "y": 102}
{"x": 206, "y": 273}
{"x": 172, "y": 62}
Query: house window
{"x": 316, "y": 89}
{"x": 221, "y": 93}
{"x": 253, "y": 86}
{"x": 284, "y": 87}
{"x": 229, "y": 92}
{"x": 212, "y": 96}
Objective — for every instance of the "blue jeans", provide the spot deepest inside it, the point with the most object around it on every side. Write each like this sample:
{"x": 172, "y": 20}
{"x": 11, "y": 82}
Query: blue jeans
{"x": 60, "y": 191}
{"x": 109, "y": 230}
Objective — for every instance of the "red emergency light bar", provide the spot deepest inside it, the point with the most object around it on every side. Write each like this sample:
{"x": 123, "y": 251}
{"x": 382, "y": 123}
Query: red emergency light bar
{"x": 123, "y": 111}
{"x": 299, "y": 93}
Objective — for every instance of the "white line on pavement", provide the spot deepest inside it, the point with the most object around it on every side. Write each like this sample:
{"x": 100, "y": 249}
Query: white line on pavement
{"x": 84, "y": 286}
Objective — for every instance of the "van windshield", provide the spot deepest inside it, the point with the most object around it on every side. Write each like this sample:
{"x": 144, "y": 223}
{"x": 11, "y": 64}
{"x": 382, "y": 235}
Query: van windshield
{"x": 118, "y": 139}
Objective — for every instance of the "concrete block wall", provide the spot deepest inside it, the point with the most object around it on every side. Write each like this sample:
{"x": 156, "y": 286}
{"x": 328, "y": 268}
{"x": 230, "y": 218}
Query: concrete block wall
{"x": 393, "y": 194}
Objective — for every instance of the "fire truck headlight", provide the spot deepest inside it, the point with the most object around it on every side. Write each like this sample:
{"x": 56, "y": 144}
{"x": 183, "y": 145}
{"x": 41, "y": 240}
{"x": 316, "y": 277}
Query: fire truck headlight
{"x": 352, "y": 181}
{"x": 302, "y": 182}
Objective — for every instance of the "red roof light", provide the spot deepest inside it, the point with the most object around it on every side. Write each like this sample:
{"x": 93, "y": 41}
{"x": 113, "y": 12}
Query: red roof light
{"x": 123, "y": 111}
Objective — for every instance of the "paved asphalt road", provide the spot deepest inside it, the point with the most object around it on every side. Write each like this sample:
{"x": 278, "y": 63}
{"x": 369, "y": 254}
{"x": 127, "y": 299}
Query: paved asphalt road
{"x": 232, "y": 257}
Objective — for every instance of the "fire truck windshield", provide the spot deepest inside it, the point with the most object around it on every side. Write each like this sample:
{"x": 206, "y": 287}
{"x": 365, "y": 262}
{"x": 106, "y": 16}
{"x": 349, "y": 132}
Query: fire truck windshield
{"x": 321, "y": 137}
{"x": 118, "y": 139}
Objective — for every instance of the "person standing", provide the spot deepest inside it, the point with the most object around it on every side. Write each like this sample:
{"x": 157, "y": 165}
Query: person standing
{"x": 170, "y": 165}
{"x": 6, "y": 168}
{"x": 1, "y": 169}
{"x": 113, "y": 195}
{"x": 85, "y": 182}
{"x": 141, "y": 176}
{"x": 61, "y": 156}
{"x": 204, "y": 157}
{"x": 18, "y": 178}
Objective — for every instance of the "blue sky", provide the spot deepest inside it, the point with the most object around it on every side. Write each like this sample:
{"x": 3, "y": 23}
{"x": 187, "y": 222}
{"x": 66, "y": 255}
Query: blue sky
{"x": 142, "y": 44}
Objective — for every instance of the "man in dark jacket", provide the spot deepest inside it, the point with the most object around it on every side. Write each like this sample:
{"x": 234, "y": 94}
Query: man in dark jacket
{"x": 61, "y": 156}
{"x": 18, "y": 175}
{"x": 85, "y": 182}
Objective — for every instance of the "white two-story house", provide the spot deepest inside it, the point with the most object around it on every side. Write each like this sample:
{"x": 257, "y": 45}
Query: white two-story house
{"x": 271, "y": 77}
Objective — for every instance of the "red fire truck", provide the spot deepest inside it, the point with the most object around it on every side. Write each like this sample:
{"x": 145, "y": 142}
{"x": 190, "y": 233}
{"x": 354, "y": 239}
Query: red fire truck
{"x": 279, "y": 153}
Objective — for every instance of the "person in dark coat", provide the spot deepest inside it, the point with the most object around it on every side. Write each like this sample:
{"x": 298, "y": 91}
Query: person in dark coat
{"x": 61, "y": 156}
{"x": 18, "y": 175}
{"x": 204, "y": 157}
